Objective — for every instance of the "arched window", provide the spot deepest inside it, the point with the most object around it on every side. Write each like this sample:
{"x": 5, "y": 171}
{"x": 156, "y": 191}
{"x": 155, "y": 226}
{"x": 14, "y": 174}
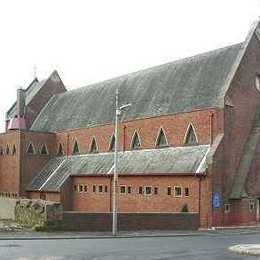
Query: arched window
{"x": 112, "y": 144}
{"x": 190, "y": 137}
{"x": 161, "y": 140}
{"x": 93, "y": 146}
{"x": 44, "y": 150}
{"x": 30, "y": 149}
{"x": 14, "y": 150}
{"x": 75, "y": 148}
{"x": 136, "y": 144}
{"x": 7, "y": 149}
{"x": 60, "y": 150}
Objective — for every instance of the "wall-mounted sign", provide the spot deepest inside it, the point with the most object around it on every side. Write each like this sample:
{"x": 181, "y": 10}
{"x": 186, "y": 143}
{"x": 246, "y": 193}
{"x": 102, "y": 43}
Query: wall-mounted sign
{"x": 216, "y": 200}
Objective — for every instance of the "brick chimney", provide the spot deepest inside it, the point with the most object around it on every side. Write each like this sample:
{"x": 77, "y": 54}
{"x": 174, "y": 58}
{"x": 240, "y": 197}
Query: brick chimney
{"x": 20, "y": 103}
{"x": 18, "y": 122}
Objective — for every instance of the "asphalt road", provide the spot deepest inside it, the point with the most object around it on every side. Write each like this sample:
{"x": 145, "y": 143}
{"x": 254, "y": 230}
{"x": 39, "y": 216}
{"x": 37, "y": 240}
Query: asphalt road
{"x": 206, "y": 246}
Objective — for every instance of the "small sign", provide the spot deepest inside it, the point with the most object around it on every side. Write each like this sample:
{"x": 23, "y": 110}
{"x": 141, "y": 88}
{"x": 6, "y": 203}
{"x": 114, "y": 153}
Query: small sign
{"x": 216, "y": 200}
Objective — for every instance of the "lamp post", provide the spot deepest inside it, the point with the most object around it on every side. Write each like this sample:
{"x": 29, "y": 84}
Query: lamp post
{"x": 115, "y": 177}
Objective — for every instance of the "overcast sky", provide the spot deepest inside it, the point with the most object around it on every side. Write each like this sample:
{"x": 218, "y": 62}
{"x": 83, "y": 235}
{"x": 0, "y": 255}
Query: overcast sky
{"x": 90, "y": 41}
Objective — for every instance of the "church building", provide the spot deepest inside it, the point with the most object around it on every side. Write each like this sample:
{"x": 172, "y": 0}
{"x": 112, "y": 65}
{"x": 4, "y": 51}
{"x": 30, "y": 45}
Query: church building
{"x": 189, "y": 142}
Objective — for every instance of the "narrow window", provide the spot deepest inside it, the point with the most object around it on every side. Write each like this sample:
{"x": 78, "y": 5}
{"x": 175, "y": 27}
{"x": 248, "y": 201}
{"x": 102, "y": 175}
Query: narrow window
{"x": 1, "y": 150}
{"x": 75, "y": 187}
{"x": 44, "y": 150}
{"x": 161, "y": 140}
{"x": 177, "y": 191}
{"x": 148, "y": 190}
{"x": 251, "y": 205}
{"x": 85, "y": 188}
{"x": 135, "y": 142}
{"x": 129, "y": 189}
{"x": 76, "y": 148}
{"x": 93, "y": 146}
{"x": 190, "y": 138}
{"x": 106, "y": 189}
{"x": 94, "y": 188}
{"x": 80, "y": 188}
{"x": 122, "y": 189}
{"x": 186, "y": 192}
{"x": 112, "y": 144}
{"x": 227, "y": 208}
{"x": 155, "y": 190}
{"x": 140, "y": 190}
{"x": 60, "y": 150}
{"x": 100, "y": 188}
{"x": 7, "y": 149}
{"x": 30, "y": 149}
{"x": 14, "y": 150}
{"x": 169, "y": 191}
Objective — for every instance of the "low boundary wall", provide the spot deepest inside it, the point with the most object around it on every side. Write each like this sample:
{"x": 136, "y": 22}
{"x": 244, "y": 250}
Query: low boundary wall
{"x": 82, "y": 221}
{"x": 7, "y": 208}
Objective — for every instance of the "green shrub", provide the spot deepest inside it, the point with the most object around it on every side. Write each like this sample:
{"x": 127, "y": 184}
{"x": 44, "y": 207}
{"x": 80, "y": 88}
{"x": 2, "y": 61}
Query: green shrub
{"x": 185, "y": 208}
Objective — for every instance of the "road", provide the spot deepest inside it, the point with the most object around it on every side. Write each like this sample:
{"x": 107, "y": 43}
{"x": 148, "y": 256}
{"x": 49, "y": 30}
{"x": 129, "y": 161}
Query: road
{"x": 199, "y": 247}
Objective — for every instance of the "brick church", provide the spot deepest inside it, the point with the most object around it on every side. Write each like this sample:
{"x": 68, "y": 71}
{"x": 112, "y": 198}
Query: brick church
{"x": 189, "y": 142}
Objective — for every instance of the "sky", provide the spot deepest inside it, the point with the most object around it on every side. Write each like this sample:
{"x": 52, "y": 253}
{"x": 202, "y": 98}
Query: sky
{"x": 90, "y": 41}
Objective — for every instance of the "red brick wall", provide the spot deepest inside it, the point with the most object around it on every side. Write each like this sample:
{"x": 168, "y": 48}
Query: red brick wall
{"x": 134, "y": 202}
{"x": 239, "y": 119}
{"x": 239, "y": 213}
{"x": 9, "y": 164}
{"x": 175, "y": 127}
{"x": 32, "y": 164}
{"x": 50, "y": 196}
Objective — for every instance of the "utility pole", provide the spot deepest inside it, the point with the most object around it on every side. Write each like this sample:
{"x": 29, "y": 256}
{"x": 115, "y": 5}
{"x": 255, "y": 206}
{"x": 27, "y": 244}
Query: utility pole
{"x": 115, "y": 179}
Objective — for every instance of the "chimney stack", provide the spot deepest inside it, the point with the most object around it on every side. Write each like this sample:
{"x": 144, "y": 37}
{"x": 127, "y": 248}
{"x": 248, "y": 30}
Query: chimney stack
{"x": 20, "y": 104}
{"x": 18, "y": 122}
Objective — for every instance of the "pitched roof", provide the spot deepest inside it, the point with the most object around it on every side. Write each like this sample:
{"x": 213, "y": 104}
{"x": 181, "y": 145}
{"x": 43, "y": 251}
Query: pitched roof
{"x": 30, "y": 92}
{"x": 178, "y": 160}
{"x": 180, "y": 86}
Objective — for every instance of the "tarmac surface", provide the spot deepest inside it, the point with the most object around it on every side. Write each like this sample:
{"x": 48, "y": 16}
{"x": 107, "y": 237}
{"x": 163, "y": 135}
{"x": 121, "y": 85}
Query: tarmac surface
{"x": 198, "y": 245}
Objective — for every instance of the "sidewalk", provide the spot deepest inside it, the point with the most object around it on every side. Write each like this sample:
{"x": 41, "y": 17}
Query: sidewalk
{"x": 33, "y": 235}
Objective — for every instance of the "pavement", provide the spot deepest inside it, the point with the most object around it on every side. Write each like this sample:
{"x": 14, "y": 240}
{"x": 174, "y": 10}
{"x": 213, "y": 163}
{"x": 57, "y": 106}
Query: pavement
{"x": 197, "y": 245}
{"x": 61, "y": 235}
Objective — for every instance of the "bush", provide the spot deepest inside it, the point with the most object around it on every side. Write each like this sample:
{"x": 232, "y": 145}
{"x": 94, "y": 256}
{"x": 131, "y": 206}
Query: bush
{"x": 185, "y": 208}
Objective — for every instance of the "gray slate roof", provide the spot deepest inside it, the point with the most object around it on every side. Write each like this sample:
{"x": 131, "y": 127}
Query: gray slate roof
{"x": 30, "y": 92}
{"x": 180, "y": 86}
{"x": 179, "y": 160}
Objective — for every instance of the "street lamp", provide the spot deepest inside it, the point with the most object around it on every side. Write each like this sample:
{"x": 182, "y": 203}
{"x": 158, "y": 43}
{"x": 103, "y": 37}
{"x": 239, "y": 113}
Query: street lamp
{"x": 115, "y": 179}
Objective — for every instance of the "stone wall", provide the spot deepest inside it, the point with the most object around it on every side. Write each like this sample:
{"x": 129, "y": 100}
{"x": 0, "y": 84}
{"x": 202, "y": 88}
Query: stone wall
{"x": 7, "y": 208}
{"x": 37, "y": 213}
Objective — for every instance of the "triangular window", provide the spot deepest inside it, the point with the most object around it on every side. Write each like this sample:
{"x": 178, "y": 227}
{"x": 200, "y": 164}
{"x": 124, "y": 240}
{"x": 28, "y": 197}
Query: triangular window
{"x": 161, "y": 139}
{"x": 191, "y": 138}
{"x": 76, "y": 148}
{"x": 93, "y": 147}
{"x": 30, "y": 149}
{"x": 112, "y": 144}
{"x": 14, "y": 150}
{"x": 136, "y": 142}
{"x": 60, "y": 150}
{"x": 7, "y": 149}
{"x": 44, "y": 150}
